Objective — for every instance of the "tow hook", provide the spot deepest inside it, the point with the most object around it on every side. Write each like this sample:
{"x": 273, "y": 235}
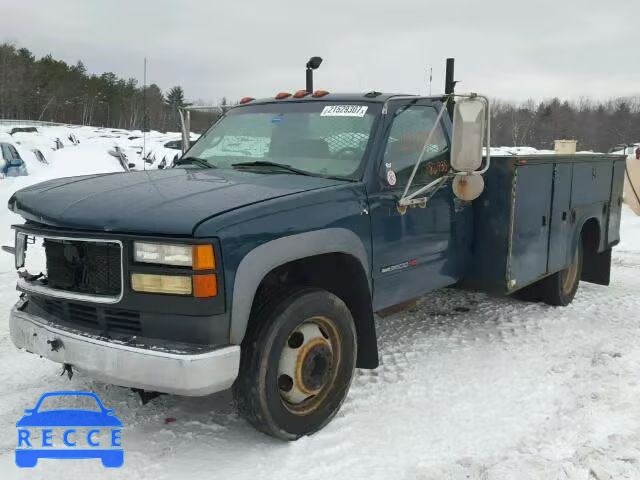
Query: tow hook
{"x": 56, "y": 344}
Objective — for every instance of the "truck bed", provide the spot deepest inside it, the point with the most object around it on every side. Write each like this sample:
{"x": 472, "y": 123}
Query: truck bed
{"x": 531, "y": 215}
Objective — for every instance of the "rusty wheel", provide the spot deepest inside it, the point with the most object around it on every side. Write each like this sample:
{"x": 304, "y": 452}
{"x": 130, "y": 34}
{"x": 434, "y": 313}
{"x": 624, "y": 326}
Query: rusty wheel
{"x": 297, "y": 362}
{"x": 560, "y": 288}
{"x": 308, "y": 365}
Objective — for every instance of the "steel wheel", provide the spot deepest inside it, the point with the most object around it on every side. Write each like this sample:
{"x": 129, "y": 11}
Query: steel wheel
{"x": 570, "y": 275}
{"x": 560, "y": 288}
{"x": 308, "y": 365}
{"x": 297, "y": 363}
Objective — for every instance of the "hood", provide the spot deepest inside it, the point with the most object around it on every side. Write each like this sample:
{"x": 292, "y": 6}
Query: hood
{"x": 164, "y": 202}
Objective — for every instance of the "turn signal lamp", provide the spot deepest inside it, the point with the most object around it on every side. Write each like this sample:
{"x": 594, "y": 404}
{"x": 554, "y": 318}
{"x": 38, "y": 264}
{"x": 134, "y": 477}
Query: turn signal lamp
{"x": 203, "y": 258}
{"x": 205, "y": 286}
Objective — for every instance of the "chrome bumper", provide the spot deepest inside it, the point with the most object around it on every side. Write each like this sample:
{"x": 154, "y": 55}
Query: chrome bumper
{"x": 180, "y": 374}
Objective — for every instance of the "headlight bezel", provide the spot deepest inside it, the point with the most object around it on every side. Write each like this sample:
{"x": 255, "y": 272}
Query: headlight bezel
{"x": 156, "y": 264}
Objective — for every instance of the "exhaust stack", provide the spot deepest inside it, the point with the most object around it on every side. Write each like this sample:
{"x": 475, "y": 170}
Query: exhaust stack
{"x": 312, "y": 64}
{"x": 450, "y": 83}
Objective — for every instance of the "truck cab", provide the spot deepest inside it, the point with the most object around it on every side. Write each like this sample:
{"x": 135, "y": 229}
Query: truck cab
{"x": 258, "y": 261}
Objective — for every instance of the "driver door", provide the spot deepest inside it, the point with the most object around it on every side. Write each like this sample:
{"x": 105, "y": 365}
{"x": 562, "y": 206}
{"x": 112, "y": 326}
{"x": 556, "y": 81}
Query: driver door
{"x": 414, "y": 249}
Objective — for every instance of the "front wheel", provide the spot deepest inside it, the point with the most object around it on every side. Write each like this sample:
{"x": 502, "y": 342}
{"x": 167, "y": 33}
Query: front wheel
{"x": 297, "y": 363}
{"x": 560, "y": 288}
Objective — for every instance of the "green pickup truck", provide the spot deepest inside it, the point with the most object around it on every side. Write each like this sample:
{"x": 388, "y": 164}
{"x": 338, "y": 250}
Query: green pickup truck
{"x": 257, "y": 262}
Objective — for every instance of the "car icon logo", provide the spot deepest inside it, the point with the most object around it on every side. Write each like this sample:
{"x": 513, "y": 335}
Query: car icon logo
{"x": 44, "y": 431}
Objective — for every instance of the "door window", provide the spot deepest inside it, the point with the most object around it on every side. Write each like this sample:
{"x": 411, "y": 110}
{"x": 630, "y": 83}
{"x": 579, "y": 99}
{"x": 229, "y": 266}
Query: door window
{"x": 14, "y": 155}
{"x": 407, "y": 138}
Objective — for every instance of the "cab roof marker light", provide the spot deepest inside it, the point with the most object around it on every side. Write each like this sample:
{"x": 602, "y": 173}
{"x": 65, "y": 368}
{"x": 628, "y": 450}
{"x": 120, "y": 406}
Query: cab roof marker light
{"x": 244, "y": 100}
{"x": 282, "y": 95}
{"x": 300, "y": 94}
{"x": 320, "y": 93}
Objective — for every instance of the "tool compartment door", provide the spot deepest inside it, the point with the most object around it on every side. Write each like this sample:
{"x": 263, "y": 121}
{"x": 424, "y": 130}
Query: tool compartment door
{"x": 561, "y": 227}
{"x": 531, "y": 220}
{"x": 615, "y": 202}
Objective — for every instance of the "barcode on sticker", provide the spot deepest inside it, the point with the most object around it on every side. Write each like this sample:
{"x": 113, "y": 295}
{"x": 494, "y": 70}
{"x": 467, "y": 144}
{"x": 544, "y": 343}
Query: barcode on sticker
{"x": 344, "y": 111}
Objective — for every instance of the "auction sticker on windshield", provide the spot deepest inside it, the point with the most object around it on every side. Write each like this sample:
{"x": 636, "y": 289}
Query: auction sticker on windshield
{"x": 344, "y": 111}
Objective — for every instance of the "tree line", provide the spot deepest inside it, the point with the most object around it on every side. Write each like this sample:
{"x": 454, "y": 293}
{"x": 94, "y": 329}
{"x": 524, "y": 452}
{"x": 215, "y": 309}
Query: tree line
{"x": 596, "y": 125}
{"x": 52, "y": 90}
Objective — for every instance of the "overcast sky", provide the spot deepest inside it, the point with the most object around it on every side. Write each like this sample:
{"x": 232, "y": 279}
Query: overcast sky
{"x": 511, "y": 49}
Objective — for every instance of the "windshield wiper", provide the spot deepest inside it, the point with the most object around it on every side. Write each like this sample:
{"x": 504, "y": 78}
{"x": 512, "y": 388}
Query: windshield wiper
{"x": 201, "y": 162}
{"x": 281, "y": 166}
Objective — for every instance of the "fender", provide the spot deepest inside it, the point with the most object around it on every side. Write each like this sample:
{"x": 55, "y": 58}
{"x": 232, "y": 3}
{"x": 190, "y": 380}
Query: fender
{"x": 580, "y": 224}
{"x": 261, "y": 260}
{"x": 596, "y": 267}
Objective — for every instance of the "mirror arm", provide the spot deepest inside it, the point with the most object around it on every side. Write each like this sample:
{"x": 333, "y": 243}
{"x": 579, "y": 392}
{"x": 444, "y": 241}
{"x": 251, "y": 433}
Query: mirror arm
{"x": 407, "y": 201}
{"x": 424, "y": 149}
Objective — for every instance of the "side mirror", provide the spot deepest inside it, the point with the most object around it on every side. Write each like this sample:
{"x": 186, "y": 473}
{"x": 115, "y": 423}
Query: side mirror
{"x": 469, "y": 128}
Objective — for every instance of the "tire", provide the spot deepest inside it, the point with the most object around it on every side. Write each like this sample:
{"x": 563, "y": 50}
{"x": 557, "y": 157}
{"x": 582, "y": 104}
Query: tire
{"x": 298, "y": 359}
{"x": 560, "y": 288}
{"x": 530, "y": 293}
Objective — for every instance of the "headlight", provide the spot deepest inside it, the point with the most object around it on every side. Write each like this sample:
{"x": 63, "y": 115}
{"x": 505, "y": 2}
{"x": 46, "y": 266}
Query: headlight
{"x": 198, "y": 257}
{"x": 181, "y": 255}
{"x": 199, "y": 283}
{"x": 173, "y": 284}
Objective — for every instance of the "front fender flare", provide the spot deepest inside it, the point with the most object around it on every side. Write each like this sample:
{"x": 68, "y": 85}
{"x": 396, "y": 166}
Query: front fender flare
{"x": 261, "y": 260}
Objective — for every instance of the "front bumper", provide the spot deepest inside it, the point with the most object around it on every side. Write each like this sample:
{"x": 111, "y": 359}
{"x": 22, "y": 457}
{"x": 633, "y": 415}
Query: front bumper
{"x": 165, "y": 371}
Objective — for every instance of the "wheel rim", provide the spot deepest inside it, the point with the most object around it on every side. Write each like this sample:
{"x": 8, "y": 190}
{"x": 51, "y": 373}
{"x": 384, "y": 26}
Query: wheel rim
{"x": 308, "y": 365}
{"x": 570, "y": 275}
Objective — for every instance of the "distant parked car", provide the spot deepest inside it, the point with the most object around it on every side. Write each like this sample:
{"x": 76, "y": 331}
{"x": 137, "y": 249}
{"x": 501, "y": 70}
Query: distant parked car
{"x": 39, "y": 155}
{"x": 174, "y": 145}
{"x": 23, "y": 130}
{"x": 14, "y": 166}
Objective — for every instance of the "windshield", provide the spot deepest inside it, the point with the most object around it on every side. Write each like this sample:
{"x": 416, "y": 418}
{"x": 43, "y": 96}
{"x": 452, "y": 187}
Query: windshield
{"x": 321, "y": 138}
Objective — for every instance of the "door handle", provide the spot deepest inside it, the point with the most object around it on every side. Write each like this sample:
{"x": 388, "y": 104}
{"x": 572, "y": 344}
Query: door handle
{"x": 544, "y": 220}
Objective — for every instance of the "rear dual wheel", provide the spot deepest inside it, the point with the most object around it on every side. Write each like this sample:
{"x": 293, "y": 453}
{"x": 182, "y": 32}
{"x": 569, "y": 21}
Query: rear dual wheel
{"x": 560, "y": 288}
{"x": 297, "y": 363}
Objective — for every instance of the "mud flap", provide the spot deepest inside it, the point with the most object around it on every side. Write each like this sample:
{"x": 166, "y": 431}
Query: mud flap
{"x": 597, "y": 268}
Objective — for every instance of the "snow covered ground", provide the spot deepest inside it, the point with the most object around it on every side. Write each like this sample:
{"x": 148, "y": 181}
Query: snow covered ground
{"x": 470, "y": 387}
{"x": 55, "y": 141}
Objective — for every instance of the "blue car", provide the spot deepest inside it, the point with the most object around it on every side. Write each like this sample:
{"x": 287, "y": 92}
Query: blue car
{"x": 38, "y": 417}
{"x": 13, "y": 166}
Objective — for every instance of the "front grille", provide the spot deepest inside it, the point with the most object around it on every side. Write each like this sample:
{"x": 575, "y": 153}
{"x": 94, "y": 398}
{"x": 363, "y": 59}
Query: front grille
{"x": 103, "y": 320}
{"x": 122, "y": 321}
{"x": 92, "y": 268}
